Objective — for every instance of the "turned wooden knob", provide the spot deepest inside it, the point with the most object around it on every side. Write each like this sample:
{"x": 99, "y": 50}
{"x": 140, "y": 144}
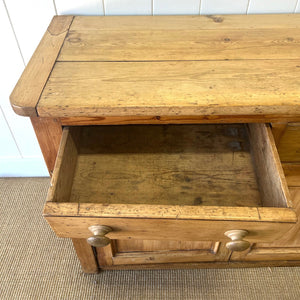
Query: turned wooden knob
{"x": 237, "y": 243}
{"x": 99, "y": 239}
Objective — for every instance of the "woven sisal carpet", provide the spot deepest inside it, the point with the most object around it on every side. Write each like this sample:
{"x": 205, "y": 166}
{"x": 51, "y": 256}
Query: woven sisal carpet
{"x": 35, "y": 264}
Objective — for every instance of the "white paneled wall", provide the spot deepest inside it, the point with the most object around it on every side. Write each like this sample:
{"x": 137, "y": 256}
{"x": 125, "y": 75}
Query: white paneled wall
{"x": 22, "y": 24}
{"x": 19, "y": 151}
{"x": 272, "y": 6}
{"x": 209, "y": 7}
{"x": 176, "y": 7}
{"x": 79, "y": 7}
{"x": 128, "y": 7}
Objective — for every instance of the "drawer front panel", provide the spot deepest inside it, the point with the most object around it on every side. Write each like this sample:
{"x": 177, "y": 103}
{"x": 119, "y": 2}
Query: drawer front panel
{"x": 169, "y": 229}
{"x": 132, "y": 252}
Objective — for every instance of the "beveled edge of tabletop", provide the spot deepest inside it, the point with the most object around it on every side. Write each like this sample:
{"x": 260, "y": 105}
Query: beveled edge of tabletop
{"x": 28, "y": 89}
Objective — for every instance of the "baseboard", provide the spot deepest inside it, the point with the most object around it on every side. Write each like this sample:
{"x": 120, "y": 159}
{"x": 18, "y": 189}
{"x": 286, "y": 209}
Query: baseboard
{"x": 23, "y": 167}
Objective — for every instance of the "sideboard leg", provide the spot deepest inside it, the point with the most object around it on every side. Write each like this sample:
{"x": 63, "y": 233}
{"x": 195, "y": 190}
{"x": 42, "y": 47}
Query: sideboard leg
{"x": 86, "y": 256}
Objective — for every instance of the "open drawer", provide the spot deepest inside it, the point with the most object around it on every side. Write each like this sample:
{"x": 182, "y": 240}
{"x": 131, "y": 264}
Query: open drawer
{"x": 169, "y": 182}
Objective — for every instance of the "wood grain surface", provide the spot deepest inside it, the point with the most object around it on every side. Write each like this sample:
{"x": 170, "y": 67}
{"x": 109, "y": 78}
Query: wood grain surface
{"x": 210, "y": 22}
{"x": 167, "y": 229}
{"x": 171, "y": 165}
{"x": 213, "y": 66}
{"x": 250, "y": 87}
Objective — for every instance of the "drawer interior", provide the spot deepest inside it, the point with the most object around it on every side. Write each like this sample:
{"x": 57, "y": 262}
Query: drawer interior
{"x": 193, "y": 165}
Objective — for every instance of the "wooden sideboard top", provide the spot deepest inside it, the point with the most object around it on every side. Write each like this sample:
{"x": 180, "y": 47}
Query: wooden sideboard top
{"x": 230, "y": 66}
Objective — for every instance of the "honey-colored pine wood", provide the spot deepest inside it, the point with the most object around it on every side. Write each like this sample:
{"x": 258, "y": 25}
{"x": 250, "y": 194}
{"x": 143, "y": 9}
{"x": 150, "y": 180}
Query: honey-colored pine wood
{"x": 26, "y": 94}
{"x": 48, "y": 132}
{"x": 292, "y": 174}
{"x": 126, "y": 246}
{"x": 278, "y": 129}
{"x": 151, "y": 211}
{"x": 205, "y": 119}
{"x": 270, "y": 176}
{"x": 147, "y": 45}
{"x": 289, "y": 146}
{"x": 172, "y": 252}
{"x": 66, "y": 161}
{"x": 209, "y": 22}
{"x": 292, "y": 238}
{"x": 49, "y": 135}
{"x": 261, "y": 214}
{"x": 165, "y": 165}
{"x": 167, "y": 229}
{"x": 86, "y": 256}
{"x": 168, "y": 165}
{"x": 105, "y": 255}
{"x": 254, "y": 87}
{"x": 288, "y": 246}
{"x": 260, "y": 253}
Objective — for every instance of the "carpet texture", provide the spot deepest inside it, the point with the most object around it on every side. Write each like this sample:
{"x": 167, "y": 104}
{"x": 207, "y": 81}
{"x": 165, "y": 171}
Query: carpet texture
{"x": 35, "y": 264}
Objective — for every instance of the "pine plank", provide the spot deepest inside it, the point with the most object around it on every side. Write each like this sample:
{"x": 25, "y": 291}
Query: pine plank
{"x": 147, "y": 45}
{"x": 254, "y": 87}
{"x": 215, "y": 22}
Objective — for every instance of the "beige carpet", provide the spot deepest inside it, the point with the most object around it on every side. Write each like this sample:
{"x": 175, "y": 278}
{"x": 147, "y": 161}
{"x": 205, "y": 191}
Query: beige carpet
{"x": 35, "y": 264}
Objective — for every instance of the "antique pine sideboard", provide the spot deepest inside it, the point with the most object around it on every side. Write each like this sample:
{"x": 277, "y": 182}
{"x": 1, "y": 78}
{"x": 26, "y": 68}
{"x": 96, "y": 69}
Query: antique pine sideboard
{"x": 172, "y": 141}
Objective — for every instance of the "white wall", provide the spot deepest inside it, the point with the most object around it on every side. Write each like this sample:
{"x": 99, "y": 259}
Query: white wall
{"x": 22, "y": 24}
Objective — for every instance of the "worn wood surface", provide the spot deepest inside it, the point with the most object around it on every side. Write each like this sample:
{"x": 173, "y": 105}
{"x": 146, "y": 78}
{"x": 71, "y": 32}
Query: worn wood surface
{"x": 86, "y": 256}
{"x": 278, "y": 129}
{"x": 215, "y": 22}
{"x": 105, "y": 254}
{"x": 167, "y": 229}
{"x": 26, "y": 94}
{"x": 165, "y": 165}
{"x": 63, "y": 175}
{"x": 48, "y": 132}
{"x": 260, "y": 253}
{"x": 216, "y": 66}
{"x": 254, "y": 87}
{"x": 292, "y": 174}
{"x": 288, "y": 246}
{"x": 270, "y": 176}
{"x": 179, "y": 212}
{"x": 289, "y": 146}
{"x": 145, "y": 44}
{"x": 172, "y": 252}
{"x": 156, "y": 120}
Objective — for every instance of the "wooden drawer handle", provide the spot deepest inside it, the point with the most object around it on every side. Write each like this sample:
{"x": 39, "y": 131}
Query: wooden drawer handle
{"x": 237, "y": 243}
{"x": 99, "y": 239}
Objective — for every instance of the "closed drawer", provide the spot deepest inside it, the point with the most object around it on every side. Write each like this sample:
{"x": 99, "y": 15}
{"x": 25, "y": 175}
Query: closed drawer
{"x": 169, "y": 182}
